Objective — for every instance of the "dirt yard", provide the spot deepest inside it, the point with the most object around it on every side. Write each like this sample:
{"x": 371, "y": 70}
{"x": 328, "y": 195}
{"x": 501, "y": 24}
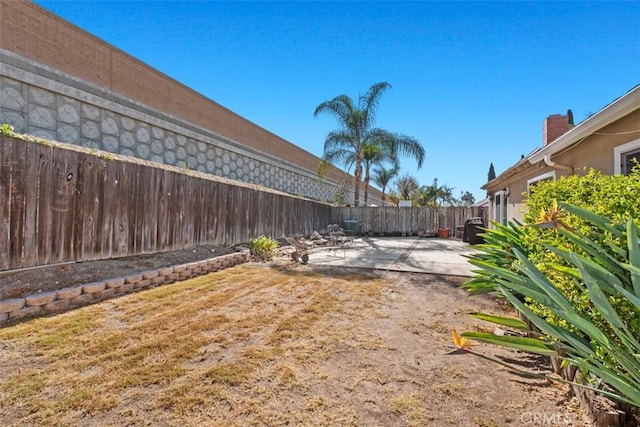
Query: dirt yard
{"x": 272, "y": 344}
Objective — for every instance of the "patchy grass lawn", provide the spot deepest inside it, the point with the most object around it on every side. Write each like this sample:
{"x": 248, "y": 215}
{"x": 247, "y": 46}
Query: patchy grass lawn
{"x": 259, "y": 345}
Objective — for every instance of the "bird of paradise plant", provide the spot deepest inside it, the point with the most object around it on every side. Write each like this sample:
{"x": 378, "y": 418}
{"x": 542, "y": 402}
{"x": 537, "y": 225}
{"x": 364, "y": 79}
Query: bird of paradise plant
{"x": 605, "y": 274}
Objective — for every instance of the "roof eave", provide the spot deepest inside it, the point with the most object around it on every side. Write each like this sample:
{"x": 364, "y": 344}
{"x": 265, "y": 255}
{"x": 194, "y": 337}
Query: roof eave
{"x": 504, "y": 176}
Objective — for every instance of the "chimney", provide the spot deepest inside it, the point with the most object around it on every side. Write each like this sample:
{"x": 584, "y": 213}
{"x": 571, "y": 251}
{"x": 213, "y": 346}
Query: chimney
{"x": 553, "y": 127}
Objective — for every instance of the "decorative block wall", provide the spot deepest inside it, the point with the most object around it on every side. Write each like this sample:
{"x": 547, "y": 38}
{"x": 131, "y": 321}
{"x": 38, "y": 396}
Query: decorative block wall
{"x": 47, "y": 103}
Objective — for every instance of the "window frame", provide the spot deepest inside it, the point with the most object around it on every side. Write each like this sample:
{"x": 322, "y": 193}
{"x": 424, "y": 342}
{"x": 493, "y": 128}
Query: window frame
{"x": 551, "y": 175}
{"x": 620, "y": 151}
{"x": 500, "y": 210}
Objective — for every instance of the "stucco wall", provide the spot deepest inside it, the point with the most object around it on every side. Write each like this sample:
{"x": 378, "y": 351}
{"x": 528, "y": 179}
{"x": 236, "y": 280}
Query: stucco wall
{"x": 61, "y": 82}
{"x": 594, "y": 152}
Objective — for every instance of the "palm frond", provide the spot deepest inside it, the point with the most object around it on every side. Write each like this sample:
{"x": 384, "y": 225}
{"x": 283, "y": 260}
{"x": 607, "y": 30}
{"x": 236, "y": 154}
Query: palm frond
{"x": 341, "y": 107}
{"x": 396, "y": 144}
{"x": 369, "y": 102}
{"x": 338, "y": 156}
{"x": 411, "y": 147}
{"x": 338, "y": 139}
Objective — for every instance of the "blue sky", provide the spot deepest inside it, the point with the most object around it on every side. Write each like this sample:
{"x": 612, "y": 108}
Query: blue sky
{"x": 472, "y": 81}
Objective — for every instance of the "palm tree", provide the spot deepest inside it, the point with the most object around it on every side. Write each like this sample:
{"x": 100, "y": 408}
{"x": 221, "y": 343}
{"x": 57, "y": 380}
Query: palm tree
{"x": 382, "y": 177}
{"x": 385, "y": 146}
{"x": 347, "y": 144}
{"x": 378, "y": 151}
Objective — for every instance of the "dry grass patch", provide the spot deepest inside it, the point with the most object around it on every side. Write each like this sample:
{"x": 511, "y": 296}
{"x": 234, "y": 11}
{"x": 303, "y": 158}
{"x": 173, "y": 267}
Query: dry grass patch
{"x": 200, "y": 345}
{"x": 259, "y": 345}
{"x": 413, "y": 408}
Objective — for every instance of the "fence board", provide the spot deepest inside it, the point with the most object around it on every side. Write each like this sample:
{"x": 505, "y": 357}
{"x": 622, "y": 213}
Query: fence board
{"x": 64, "y": 175}
{"x": 219, "y": 209}
{"x": 45, "y": 193}
{"x": 6, "y": 154}
{"x": 187, "y": 212}
{"x": 275, "y": 220}
{"x": 84, "y": 226}
{"x": 212, "y": 212}
{"x": 98, "y": 212}
{"x": 230, "y": 212}
{"x": 209, "y": 212}
{"x": 136, "y": 211}
{"x": 122, "y": 194}
{"x": 30, "y": 240}
{"x": 147, "y": 193}
{"x": 177, "y": 211}
{"x": 109, "y": 207}
{"x": 162, "y": 224}
{"x": 199, "y": 215}
{"x": 200, "y": 234}
{"x": 17, "y": 194}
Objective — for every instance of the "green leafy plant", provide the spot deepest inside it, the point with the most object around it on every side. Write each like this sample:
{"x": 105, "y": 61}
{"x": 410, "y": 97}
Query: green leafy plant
{"x": 612, "y": 196}
{"x": 263, "y": 248}
{"x": 602, "y": 342}
{"x": 6, "y": 129}
{"x": 496, "y": 253}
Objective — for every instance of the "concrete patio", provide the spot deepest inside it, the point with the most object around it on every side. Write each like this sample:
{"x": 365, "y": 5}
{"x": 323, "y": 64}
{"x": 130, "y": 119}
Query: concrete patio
{"x": 411, "y": 254}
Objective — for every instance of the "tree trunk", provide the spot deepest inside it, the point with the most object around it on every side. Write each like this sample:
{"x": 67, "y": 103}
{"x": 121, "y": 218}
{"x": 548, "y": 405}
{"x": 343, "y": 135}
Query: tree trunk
{"x": 366, "y": 188}
{"x": 358, "y": 175}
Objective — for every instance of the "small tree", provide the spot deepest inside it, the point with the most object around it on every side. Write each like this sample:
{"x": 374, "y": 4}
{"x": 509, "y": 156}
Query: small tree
{"x": 407, "y": 186}
{"x": 436, "y": 195}
{"x": 492, "y": 173}
{"x": 570, "y": 118}
{"x": 467, "y": 199}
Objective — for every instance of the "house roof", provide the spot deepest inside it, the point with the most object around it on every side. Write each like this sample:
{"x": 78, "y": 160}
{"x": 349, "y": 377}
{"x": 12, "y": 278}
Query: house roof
{"x": 617, "y": 109}
{"x": 522, "y": 164}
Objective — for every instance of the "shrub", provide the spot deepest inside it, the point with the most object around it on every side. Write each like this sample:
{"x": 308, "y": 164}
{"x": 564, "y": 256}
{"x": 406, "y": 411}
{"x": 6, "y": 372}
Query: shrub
{"x": 263, "y": 248}
{"x": 612, "y": 196}
{"x": 603, "y": 340}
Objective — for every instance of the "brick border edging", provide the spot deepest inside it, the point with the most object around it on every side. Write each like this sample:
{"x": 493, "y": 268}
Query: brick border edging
{"x": 61, "y": 300}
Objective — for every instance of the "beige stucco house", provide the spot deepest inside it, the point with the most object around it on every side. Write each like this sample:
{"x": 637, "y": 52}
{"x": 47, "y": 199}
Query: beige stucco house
{"x": 608, "y": 141}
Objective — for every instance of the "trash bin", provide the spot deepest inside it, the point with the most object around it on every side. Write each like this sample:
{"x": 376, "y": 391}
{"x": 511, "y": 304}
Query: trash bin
{"x": 473, "y": 227}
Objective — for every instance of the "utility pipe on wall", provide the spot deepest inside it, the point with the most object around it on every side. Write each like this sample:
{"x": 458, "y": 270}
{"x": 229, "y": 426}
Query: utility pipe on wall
{"x": 549, "y": 162}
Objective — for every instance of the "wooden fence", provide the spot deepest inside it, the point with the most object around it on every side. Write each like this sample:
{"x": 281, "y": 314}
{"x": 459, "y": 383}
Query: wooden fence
{"x": 407, "y": 221}
{"x": 60, "y": 203}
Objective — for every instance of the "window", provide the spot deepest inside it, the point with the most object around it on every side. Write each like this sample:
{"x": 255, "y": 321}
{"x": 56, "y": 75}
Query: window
{"x": 500, "y": 207}
{"x": 629, "y": 160}
{"x": 531, "y": 183}
{"x": 625, "y": 157}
